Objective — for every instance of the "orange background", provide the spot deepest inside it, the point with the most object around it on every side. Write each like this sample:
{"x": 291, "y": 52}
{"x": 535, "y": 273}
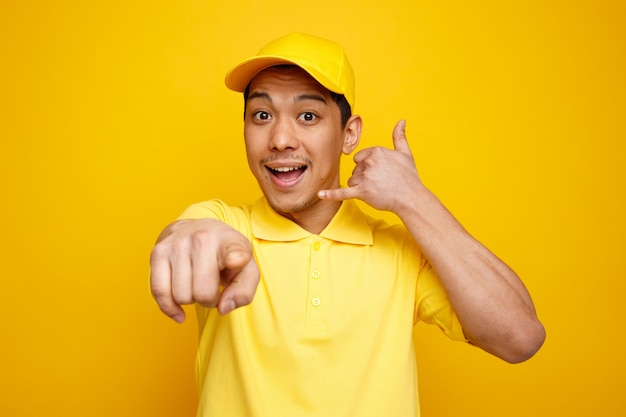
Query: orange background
{"x": 114, "y": 118}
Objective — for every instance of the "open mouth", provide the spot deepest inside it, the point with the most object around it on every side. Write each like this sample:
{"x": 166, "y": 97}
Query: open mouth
{"x": 287, "y": 175}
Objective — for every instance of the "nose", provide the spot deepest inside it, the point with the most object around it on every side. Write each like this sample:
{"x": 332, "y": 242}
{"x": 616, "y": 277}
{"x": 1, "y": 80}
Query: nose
{"x": 283, "y": 136}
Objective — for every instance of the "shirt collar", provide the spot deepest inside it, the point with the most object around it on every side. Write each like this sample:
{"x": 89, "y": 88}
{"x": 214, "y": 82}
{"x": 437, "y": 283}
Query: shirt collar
{"x": 349, "y": 225}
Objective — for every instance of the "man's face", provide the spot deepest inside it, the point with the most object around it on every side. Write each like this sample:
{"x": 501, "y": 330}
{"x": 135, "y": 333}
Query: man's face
{"x": 294, "y": 139}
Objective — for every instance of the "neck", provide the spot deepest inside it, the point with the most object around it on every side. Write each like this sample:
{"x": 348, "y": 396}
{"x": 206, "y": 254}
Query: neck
{"x": 315, "y": 218}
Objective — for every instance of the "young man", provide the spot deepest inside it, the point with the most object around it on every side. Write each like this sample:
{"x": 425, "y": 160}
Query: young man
{"x": 306, "y": 305}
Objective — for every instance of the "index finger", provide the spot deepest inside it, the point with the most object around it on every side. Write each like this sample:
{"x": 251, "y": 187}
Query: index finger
{"x": 240, "y": 289}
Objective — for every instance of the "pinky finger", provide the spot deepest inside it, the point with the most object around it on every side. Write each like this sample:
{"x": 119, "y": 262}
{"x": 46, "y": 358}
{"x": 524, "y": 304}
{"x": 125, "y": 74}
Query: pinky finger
{"x": 161, "y": 289}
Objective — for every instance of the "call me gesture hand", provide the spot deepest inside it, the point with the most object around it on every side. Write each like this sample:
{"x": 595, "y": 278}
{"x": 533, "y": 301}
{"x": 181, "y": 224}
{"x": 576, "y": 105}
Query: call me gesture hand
{"x": 382, "y": 177}
{"x": 491, "y": 302}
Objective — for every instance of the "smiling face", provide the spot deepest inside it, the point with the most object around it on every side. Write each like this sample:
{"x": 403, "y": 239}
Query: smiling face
{"x": 294, "y": 141}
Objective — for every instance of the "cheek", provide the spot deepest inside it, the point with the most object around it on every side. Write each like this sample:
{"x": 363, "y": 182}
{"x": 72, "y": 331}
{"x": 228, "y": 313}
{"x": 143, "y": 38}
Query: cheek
{"x": 252, "y": 157}
{"x": 255, "y": 140}
{"x": 253, "y": 164}
{"x": 329, "y": 167}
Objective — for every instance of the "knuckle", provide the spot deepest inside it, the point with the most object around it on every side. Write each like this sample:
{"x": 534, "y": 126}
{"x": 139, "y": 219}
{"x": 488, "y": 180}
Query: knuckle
{"x": 239, "y": 254}
{"x": 206, "y": 299}
{"x": 158, "y": 289}
{"x": 182, "y": 298}
{"x": 160, "y": 294}
{"x": 159, "y": 253}
{"x": 200, "y": 238}
{"x": 206, "y": 289}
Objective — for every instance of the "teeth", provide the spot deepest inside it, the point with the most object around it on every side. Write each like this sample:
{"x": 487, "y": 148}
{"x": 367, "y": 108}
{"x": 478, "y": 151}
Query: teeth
{"x": 285, "y": 169}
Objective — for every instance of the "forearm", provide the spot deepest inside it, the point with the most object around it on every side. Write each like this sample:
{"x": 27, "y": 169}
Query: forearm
{"x": 492, "y": 303}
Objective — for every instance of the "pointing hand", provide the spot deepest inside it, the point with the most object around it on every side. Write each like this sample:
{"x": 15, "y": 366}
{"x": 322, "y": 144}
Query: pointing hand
{"x": 202, "y": 261}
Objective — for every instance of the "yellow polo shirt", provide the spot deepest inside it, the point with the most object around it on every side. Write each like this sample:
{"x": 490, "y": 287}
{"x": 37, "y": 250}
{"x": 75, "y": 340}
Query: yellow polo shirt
{"x": 329, "y": 332}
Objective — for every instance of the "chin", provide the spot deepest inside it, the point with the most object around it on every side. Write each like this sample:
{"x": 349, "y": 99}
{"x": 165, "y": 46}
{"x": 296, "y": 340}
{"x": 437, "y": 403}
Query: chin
{"x": 287, "y": 205}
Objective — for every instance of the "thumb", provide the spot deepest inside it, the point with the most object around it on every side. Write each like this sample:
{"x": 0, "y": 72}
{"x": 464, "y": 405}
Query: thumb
{"x": 338, "y": 194}
{"x": 400, "y": 142}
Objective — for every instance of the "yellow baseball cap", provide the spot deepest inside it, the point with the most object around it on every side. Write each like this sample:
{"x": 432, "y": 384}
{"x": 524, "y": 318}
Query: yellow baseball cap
{"x": 322, "y": 59}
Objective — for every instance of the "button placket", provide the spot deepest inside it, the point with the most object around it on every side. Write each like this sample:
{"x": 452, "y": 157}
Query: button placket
{"x": 315, "y": 299}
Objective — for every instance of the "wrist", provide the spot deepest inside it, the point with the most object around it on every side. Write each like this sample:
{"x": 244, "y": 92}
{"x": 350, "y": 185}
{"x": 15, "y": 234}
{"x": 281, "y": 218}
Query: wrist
{"x": 414, "y": 202}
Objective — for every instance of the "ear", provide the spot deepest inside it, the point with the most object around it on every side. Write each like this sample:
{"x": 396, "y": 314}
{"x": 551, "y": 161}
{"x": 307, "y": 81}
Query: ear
{"x": 352, "y": 134}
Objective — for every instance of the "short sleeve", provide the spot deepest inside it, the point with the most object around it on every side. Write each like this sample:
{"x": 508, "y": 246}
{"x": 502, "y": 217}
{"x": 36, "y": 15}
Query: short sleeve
{"x": 433, "y": 305}
{"x": 236, "y": 217}
{"x": 215, "y": 209}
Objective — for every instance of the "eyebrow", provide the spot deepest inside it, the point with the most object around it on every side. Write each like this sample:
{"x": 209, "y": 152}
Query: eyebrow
{"x": 257, "y": 94}
{"x": 316, "y": 97}
{"x": 302, "y": 97}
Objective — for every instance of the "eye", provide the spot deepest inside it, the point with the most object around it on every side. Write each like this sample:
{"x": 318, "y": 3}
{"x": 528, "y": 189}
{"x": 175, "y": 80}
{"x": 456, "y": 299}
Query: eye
{"x": 308, "y": 116}
{"x": 262, "y": 115}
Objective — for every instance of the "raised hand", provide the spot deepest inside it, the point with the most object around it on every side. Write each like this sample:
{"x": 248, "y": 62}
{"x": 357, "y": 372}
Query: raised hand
{"x": 382, "y": 177}
{"x": 492, "y": 304}
{"x": 202, "y": 261}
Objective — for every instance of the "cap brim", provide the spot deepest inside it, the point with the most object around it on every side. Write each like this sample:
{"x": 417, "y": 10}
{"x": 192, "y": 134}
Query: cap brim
{"x": 238, "y": 78}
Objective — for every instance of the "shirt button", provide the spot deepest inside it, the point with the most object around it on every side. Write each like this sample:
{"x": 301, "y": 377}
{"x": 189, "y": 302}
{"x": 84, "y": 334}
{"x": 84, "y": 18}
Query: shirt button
{"x": 316, "y": 302}
{"x": 315, "y": 274}
{"x": 316, "y": 246}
